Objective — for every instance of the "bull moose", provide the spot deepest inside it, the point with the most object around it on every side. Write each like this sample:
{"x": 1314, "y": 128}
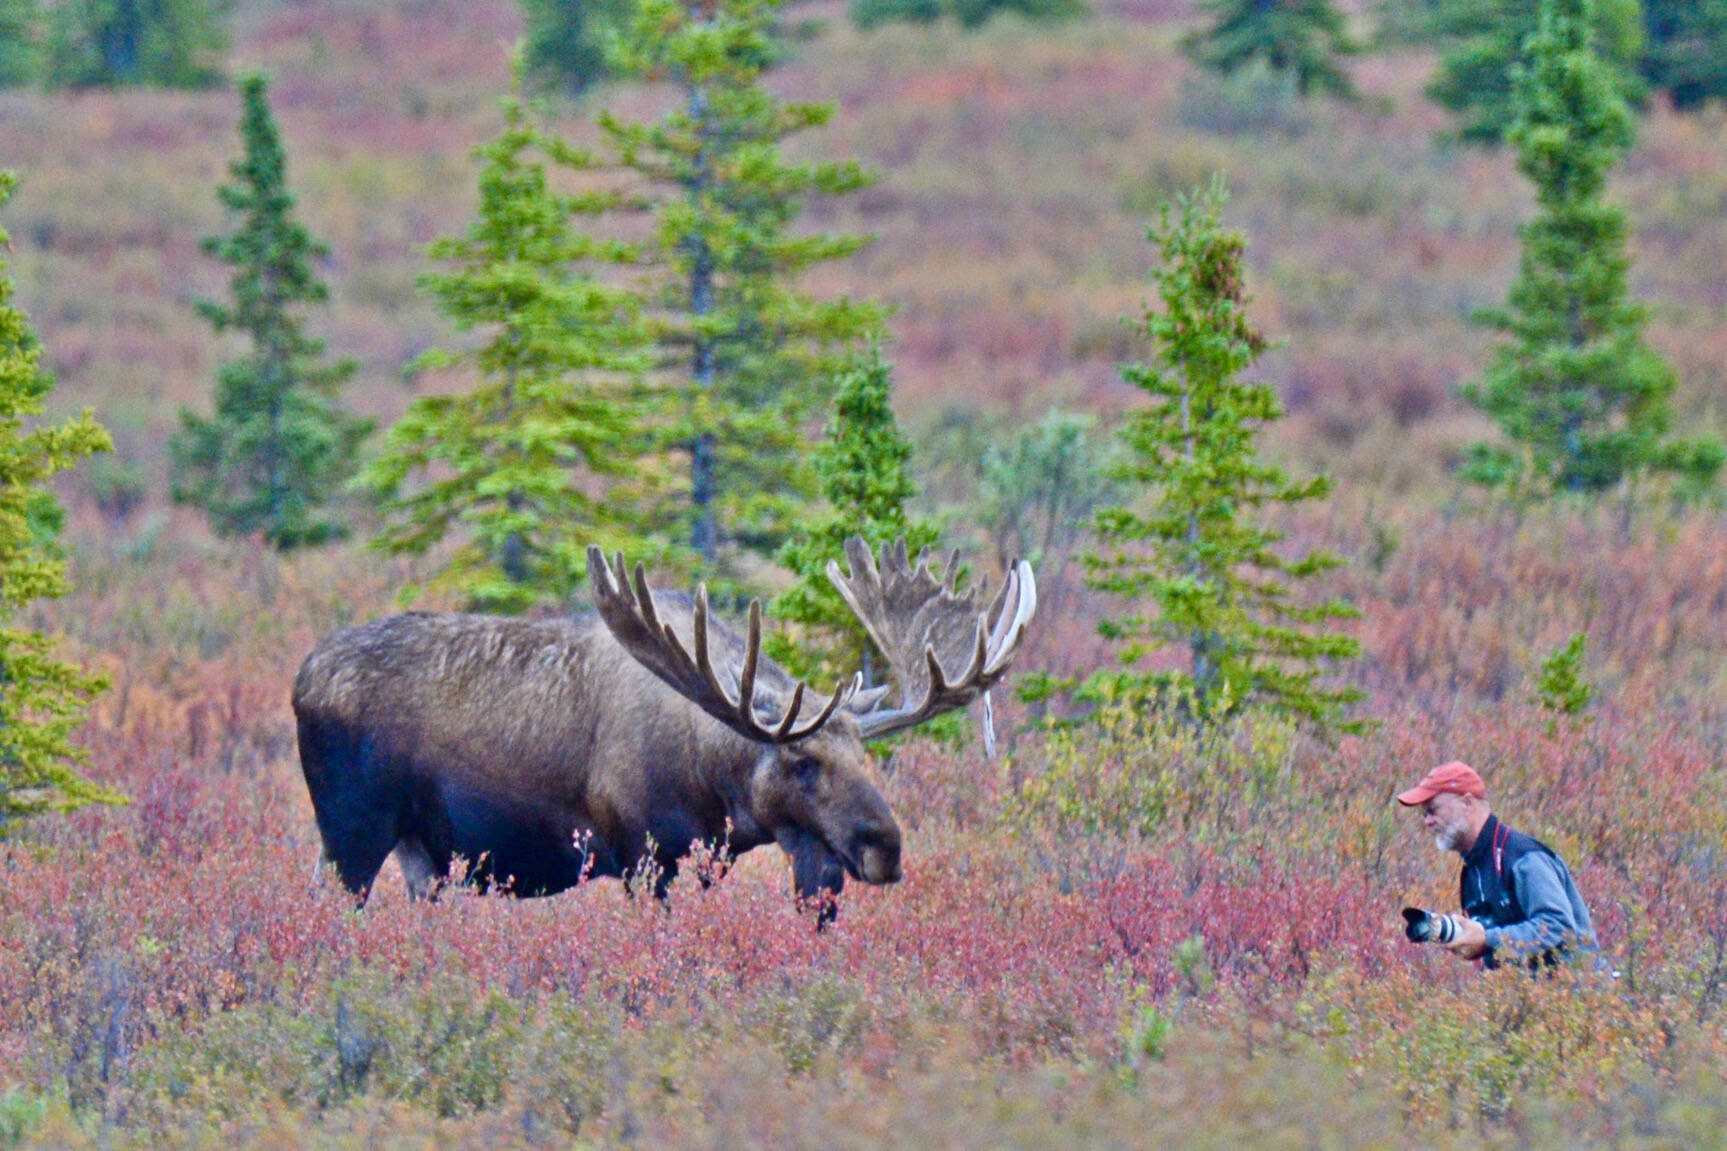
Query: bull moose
{"x": 545, "y": 750}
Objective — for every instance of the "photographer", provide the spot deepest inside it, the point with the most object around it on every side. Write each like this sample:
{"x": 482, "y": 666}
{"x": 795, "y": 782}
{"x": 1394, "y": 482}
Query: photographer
{"x": 1519, "y": 903}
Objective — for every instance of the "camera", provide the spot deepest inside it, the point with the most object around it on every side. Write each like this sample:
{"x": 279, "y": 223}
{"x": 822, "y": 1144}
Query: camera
{"x": 1429, "y": 926}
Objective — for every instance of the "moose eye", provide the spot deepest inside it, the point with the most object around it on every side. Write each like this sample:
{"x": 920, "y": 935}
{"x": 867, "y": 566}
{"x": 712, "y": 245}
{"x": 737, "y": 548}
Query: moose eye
{"x": 806, "y": 769}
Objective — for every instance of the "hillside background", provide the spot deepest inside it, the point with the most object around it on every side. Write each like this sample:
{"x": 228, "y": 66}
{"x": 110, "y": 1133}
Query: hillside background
{"x": 1018, "y": 169}
{"x": 148, "y": 946}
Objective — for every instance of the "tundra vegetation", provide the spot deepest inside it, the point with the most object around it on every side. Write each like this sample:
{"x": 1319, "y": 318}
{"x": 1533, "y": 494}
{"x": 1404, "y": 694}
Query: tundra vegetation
{"x": 1120, "y": 933}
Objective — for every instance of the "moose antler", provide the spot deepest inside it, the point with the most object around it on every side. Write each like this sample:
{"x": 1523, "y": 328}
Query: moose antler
{"x": 924, "y": 626}
{"x": 630, "y": 613}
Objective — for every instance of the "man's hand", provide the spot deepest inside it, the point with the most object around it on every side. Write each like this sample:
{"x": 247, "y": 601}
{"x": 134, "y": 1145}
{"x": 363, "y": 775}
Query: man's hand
{"x": 1471, "y": 941}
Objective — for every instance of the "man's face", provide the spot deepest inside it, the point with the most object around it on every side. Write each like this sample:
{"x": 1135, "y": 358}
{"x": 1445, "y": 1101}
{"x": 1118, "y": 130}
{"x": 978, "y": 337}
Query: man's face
{"x": 1446, "y": 816}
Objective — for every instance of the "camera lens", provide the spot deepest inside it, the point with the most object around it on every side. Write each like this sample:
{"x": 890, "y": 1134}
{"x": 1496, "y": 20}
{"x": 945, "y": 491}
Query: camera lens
{"x": 1429, "y": 926}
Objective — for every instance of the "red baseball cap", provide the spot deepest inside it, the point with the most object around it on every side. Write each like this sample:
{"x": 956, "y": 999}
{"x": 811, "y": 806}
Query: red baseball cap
{"x": 1456, "y": 777}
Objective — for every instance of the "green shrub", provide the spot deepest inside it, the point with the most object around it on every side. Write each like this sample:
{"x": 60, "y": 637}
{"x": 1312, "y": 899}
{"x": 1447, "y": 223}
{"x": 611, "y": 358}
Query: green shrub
{"x": 1135, "y": 771}
{"x": 828, "y": 1018}
{"x": 118, "y": 485}
{"x": 1256, "y": 100}
{"x": 977, "y": 13}
{"x": 867, "y": 14}
{"x": 447, "y": 1047}
{"x": 20, "y": 1112}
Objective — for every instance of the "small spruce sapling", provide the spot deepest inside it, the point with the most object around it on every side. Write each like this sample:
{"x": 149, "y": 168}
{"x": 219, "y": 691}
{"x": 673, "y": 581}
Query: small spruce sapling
{"x": 1038, "y": 489}
{"x": 1561, "y": 688}
{"x": 862, "y": 467}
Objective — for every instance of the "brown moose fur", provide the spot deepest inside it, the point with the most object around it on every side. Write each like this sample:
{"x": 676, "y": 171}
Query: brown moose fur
{"x": 540, "y": 751}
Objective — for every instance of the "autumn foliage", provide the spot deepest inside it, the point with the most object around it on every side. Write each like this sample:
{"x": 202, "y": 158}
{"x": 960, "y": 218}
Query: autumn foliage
{"x": 1118, "y": 934}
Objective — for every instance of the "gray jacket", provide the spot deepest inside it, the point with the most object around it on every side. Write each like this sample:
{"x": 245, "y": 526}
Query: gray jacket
{"x": 1521, "y": 892}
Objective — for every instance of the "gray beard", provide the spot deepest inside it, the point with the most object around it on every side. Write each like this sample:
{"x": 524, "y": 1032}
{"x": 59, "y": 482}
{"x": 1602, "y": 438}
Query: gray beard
{"x": 1446, "y": 840}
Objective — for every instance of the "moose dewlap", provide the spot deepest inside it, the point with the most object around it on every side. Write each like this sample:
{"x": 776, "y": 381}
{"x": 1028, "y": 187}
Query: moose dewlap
{"x": 543, "y": 751}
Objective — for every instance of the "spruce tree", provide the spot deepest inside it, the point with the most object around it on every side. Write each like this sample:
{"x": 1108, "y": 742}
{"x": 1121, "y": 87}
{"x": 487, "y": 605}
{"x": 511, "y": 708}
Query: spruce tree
{"x": 861, "y": 466}
{"x": 113, "y": 43}
{"x": 20, "y": 52}
{"x": 1582, "y": 400}
{"x": 42, "y": 699}
{"x": 1300, "y": 38}
{"x": 565, "y": 40}
{"x": 1199, "y": 554}
{"x": 277, "y": 450}
{"x": 747, "y": 351}
{"x": 1685, "y": 49}
{"x": 523, "y": 469}
{"x": 977, "y": 13}
{"x": 1484, "y": 40}
{"x": 969, "y": 14}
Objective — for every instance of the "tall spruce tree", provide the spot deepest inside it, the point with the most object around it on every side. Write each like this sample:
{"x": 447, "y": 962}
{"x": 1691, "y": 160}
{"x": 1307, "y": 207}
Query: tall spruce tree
{"x": 1199, "y": 555}
{"x": 747, "y": 352}
{"x": 523, "y": 470}
{"x": 114, "y": 43}
{"x": 1304, "y": 39}
{"x": 1582, "y": 400}
{"x": 1484, "y": 40}
{"x": 42, "y": 699}
{"x": 277, "y": 451}
{"x": 861, "y": 466}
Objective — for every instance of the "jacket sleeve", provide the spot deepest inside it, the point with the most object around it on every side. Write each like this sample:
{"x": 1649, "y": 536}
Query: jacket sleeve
{"x": 1550, "y": 923}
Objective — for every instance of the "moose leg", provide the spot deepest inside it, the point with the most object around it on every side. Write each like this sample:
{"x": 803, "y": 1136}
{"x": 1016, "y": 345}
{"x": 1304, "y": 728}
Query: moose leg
{"x": 360, "y": 858}
{"x": 357, "y": 840}
{"x": 422, "y": 873}
{"x": 356, "y": 817}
